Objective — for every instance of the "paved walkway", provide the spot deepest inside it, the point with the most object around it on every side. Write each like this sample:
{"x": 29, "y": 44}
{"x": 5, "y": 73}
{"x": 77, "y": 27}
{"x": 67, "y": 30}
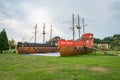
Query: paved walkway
{"x": 46, "y": 54}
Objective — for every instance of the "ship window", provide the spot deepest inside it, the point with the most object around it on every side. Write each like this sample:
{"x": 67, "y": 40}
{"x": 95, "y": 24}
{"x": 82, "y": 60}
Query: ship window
{"x": 35, "y": 49}
{"x": 77, "y": 50}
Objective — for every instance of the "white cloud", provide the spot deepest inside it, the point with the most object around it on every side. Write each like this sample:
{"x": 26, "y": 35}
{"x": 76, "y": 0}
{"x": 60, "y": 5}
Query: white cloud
{"x": 21, "y": 17}
{"x": 18, "y": 28}
{"x": 40, "y": 15}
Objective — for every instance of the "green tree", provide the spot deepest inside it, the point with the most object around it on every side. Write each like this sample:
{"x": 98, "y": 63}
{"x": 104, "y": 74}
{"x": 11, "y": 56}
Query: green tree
{"x": 0, "y": 43}
{"x": 97, "y": 40}
{"x": 116, "y": 41}
{"x": 12, "y": 44}
{"x": 113, "y": 41}
{"x": 107, "y": 40}
{"x": 3, "y": 41}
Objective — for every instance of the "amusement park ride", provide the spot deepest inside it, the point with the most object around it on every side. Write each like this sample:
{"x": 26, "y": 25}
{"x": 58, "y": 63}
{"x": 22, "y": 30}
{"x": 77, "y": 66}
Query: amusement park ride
{"x": 83, "y": 45}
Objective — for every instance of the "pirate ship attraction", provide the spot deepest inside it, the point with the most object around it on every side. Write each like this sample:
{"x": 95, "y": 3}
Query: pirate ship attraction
{"x": 83, "y": 45}
{"x": 45, "y": 47}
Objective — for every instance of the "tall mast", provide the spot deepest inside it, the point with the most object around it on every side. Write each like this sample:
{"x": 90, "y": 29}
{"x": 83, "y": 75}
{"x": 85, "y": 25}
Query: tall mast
{"x": 44, "y": 33}
{"x": 51, "y": 32}
{"x": 35, "y": 31}
{"x": 83, "y": 26}
{"x": 78, "y": 27}
{"x": 73, "y": 27}
{"x": 23, "y": 40}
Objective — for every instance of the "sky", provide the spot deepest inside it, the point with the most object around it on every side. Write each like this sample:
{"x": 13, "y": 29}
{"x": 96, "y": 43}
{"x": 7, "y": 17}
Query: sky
{"x": 18, "y": 18}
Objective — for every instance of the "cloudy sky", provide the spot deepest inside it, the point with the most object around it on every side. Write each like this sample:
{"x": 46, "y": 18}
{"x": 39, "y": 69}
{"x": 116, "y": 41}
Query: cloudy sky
{"x": 18, "y": 17}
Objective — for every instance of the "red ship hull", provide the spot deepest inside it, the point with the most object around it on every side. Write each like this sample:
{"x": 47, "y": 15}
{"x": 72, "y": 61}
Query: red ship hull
{"x": 77, "y": 47}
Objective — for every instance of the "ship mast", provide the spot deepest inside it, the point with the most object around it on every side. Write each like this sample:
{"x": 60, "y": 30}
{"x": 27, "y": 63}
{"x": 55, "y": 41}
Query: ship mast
{"x": 73, "y": 27}
{"x": 78, "y": 26}
{"x": 51, "y": 32}
{"x": 35, "y": 31}
{"x": 83, "y": 26}
{"x": 44, "y": 33}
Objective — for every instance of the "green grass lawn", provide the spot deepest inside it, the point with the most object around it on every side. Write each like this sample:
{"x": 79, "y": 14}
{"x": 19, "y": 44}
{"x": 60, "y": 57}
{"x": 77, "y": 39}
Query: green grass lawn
{"x": 85, "y": 67}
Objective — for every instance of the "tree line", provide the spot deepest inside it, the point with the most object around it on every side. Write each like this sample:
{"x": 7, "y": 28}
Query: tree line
{"x": 5, "y": 44}
{"x": 113, "y": 41}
